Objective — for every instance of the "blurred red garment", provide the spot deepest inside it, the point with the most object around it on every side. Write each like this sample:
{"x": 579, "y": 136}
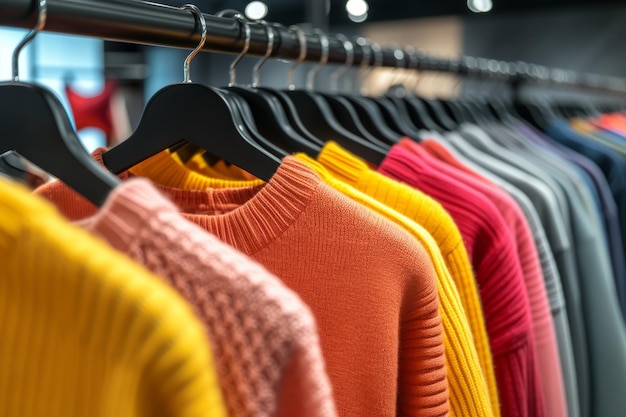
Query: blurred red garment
{"x": 94, "y": 111}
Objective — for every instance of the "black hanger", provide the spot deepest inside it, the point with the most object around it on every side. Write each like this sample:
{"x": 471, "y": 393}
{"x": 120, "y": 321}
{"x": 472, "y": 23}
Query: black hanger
{"x": 418, "y": 112}
{"x": 349, "y": 118}
{"x": 455, "y": 111}
{"x": 369, "y": 114}
{"x": 439, "y": 114}
{"x": 316, "y": 115}
{"x": 34, "y": 123}
{"x": 500, "y": 110}
{"x": 250, "y": 125}
{"x": 205, "y": 117}
{"x": 272, "y": 122}
{"x": 540, "y": 116}
{"x": 343, "y": 109}
{"x": 268, "y": 114}
{"x": 373, "y": 120}
{"x": 396, "y": 115}
{"x": 36, "y": 126}
{"x": 411, "y": 107}
{"x": 479, "y": 113}
{"x": 292, "y": 115}
{"x": 396, "y": 108}
{"x": 12, "y": 166}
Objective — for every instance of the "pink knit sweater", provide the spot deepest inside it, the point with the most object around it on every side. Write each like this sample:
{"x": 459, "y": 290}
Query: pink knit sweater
{"x": 265, "y": 341}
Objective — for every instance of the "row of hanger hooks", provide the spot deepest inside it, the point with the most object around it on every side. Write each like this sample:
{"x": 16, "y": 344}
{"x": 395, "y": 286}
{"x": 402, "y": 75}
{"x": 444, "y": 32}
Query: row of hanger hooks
{"x": 311, "y": 75}
{"x": 370, "y": 56}
{"x": 335, "y": 76}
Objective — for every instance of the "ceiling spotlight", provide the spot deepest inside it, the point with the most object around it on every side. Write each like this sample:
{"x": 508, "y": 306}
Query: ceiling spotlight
{"x": 357, "y": 19}
{"x": 256, "y": 10}
{"x": 357, "y": 10}
{"x": 480, "y": 6}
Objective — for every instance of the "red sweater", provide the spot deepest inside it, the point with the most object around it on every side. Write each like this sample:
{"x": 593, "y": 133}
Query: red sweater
{"x": 549, "y": 365}
{"x": 498, "y": 273}
{"x": 370, "y": 284}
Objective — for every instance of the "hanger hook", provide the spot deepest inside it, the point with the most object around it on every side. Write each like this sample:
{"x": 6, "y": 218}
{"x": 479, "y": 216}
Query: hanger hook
{"x": 400, "y": 57}
{"x": 301, "y": 56}
{"x": 197, "y": 13}
{"x": 413, "y": 65}
{"x": 41, "y": 23}
{"x": 246, "y": 47}
{"x": 256, "y": 76}
{"x": 335, "y": 75}
{"x": 377, "y": 51}
{"x": 310, "y": 77}
{"x": 366, "y": 68}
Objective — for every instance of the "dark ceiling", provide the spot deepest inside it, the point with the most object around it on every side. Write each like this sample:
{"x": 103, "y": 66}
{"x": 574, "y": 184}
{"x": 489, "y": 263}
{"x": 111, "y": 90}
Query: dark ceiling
{"x": 295, "y": 11}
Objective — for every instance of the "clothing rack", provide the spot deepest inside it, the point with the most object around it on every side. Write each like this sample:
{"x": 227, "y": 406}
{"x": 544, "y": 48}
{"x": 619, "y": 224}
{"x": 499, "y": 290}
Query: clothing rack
{"x": 149, "y": 23}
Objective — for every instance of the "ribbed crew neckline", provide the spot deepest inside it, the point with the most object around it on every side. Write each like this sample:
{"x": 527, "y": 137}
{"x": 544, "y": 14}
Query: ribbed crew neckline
{"x": 248, "y": 218}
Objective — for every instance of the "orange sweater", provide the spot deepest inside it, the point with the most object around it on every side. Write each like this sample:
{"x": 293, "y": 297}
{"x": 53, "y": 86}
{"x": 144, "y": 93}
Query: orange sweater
{"x": 464, "y": 344}
{"x": 469, "y": 390}
{"x": 425, "y": 211}
{"x": 370, "y": 285}
{"x": 469, "y": 395}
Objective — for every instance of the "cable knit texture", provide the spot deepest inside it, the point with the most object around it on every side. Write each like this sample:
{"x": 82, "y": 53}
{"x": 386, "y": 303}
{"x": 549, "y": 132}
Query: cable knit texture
{"x": 264, "y": 338}
{"x": 498, "y": 273}
{"x": 469, "y": 394}
{"x": 370, "y": 285}
{"x": 87, "y": 332}
{"x": 546, "y": 347}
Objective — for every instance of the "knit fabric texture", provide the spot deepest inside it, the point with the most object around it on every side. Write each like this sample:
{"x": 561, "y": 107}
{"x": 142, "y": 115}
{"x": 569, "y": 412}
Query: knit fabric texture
{"x": 166, "y": 169}
{"x": 370, "y": 285}
{"x": 84, "y": 329}
{"x": 219, "y": 169}
{"x": 469, "y": 394}
{"x": 498, "y": 273}
{"x": 264, "y": 338}
{"x": 545, "y": 346}
{"x": 549, "y": 268}
{"x": 429, "y": 214}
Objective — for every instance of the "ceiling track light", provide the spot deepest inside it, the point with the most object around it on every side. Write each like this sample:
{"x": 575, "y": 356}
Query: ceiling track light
{"x": 256, "y": 10}
{"x": 480, "y": 6}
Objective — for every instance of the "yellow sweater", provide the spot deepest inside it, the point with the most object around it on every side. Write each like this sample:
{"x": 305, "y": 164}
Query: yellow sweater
{"x": 84, "y": 331}
{"x": 469, "y": 394}
{"x": 166, "y": 169}
{"x": 425, "y": 211}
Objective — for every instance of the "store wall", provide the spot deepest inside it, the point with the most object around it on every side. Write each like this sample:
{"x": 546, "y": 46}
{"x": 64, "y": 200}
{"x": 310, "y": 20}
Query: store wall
{"x": 586, "y": 39}
{"x": 436, "y": 36}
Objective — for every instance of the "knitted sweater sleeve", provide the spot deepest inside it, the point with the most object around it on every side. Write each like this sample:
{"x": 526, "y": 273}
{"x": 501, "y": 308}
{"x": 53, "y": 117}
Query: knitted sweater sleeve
{"x": 84, "y": 329}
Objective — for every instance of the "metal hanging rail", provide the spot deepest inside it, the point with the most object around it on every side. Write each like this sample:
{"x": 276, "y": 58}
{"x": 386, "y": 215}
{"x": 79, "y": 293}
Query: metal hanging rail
{"x": 143, "y": 22}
